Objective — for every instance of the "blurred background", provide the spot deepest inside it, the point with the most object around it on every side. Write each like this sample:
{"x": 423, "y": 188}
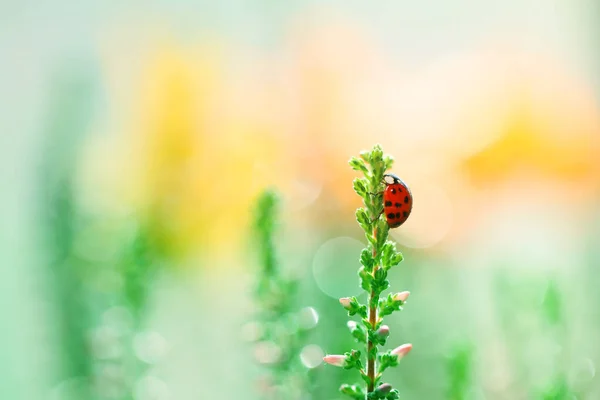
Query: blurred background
{"x": 137, "y": 136}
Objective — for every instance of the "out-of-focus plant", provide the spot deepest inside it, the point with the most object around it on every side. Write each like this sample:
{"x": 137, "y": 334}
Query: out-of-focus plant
{"x": 101, "y": 266}
{"x": 279, "y": 329}
{"x": 553, "y": 315}
{"x": 377, "y": 258}
{"x": 459, "y": 368}
{"x": 68, "y": 117}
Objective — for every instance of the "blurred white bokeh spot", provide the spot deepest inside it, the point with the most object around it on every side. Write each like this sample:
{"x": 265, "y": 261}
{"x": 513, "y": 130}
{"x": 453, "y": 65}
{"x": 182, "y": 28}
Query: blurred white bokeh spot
{"x": 308, "y": 318}
{"x": 151, "y": 388}
{"x": 311, "y": 356}
{"x": 431, "y": 217}
{"x": 335, "y": 264}
{"x": 252, "y": 331}
{"x": 267, "y": 352}
{"x": 106, "y": 343}
{"x": 119, "y": 318}
{"x": 150, "y": 347}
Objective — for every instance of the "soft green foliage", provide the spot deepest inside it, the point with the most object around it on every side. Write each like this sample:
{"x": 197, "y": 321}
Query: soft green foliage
{"x": 388, "y": 305}
{"x": 459, "y": 365}
{"x": 265, "y": 226}
{"x": 275, "y": 298}
{"x": 551, "y": 305}
{"x": 552, "y": 312}
{"x": 376, "y": 260}
{"x": 558, "y": 390}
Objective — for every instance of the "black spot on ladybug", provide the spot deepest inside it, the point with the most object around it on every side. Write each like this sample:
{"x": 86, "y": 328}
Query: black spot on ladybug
{"x": 406, "y": 199}
{"x": 405, "y": 214}
{"x": 397, "y": 215}
{"x": 393, "y": 191}
{"x": 398, "y": 205}
{"x": 391, "y": 216}
{"x": 388, "y": 203}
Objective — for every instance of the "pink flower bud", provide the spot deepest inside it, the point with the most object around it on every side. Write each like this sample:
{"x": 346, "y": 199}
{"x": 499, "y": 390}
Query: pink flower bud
{"x": 402, "y": 296}
{"x": 403, "y": 350}
{"x": 384, "y": 331}
{"x": 335, "y": 360}
{"x": 384, "y": 388}
{"x": 345, "y": 302}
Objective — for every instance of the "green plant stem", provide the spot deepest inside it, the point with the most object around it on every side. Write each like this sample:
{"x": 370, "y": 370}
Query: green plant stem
{"x": 373, "y": 321}
{"x": 371, "y": 362}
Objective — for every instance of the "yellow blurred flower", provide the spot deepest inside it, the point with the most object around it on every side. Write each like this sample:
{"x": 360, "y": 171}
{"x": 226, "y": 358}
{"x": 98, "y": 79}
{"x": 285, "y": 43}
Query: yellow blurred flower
{"x": 550, "y": 127}
{"x": 189, "y": 164}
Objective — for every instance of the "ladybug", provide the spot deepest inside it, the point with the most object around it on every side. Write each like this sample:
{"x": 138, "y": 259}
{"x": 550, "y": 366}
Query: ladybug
{"x": 397, "y": 201}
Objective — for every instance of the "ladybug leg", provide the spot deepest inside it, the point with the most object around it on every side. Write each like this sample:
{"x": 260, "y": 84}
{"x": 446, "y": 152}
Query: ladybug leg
{"x": 377, "y": 217}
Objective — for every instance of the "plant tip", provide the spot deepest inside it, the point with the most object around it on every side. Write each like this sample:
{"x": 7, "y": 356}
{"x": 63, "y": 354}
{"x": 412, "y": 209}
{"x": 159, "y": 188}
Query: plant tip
{"x": 403, "y": 350}
{"x": 384, "y": 388}
{"x": 384, "y": 331}
{"x": 345, "y": 302}
{"x": 335, "y": 359}
{"x": 402, "y": 296}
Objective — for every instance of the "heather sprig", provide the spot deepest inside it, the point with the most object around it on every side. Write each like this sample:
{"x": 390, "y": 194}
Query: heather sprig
{"x": 376, "y": 260}
{"x": 280, "y": 330}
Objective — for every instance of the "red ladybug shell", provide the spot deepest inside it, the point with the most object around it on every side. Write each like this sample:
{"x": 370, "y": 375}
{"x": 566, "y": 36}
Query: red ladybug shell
{"x": 397, "y": 202}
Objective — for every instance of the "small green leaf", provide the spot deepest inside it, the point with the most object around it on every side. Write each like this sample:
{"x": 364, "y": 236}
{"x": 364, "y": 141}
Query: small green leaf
{"x": 379, "y": 283}
{"x": 358, "y": 332}
{"x": 374, "y": 299}
{"x": 387, "y": 360}
{"x": 365, "y": 278}
{"x": 365, "y": 378}
{"x": 371, "y": 239}
{"x": 379, "y": 337}
{"x": 352, "y": 360}
{"x": 354, "y": 307}
{"x": 388, "y": 305}
{"x": 396, "y": 259}
{"x": 372, "y": 355}
{"x": 382, "y": 232}
{"x": 388, "y": 161}
{"x": 360, "y": 186}
{"x": 358, "y": 165}
{"x": 363, "y": 219}
{"x": 376, "y": 154}
{"x": 366, "y": 156}
{"x": 387, "y": 250}
{"x": 367, "y": 323}
{"x": 390, "y": 256}
{"x": 354, "y": 391}
{"x": 381, "y": 392}
{"x": 366, "y": 259}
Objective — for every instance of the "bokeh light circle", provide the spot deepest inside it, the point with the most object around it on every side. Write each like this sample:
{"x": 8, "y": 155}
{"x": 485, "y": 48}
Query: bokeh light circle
{"x": 311, "y": 356}
{"x": 267, "y": 352}
{"x": 335, "y": 264}
{"x": 150, "y": 347}
{"x": 151, "y": 388}
{"x": 430, "y": 220}
{"x": 252, "y": 331}
{"x": 308, "y": 318}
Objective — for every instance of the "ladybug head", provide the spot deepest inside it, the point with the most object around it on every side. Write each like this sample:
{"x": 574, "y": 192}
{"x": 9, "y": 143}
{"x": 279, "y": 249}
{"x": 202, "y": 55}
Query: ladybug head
{"x": 394, "y": 177}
